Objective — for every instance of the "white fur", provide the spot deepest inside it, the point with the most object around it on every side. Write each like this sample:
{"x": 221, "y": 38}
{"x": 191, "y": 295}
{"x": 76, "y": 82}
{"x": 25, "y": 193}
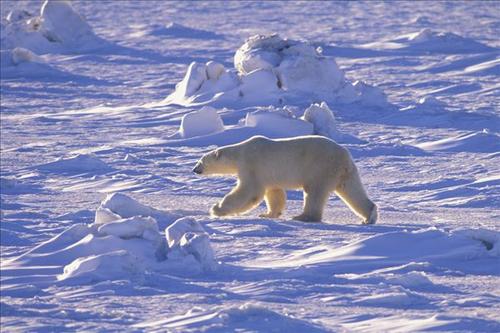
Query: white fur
{"x": 266, "y": 168}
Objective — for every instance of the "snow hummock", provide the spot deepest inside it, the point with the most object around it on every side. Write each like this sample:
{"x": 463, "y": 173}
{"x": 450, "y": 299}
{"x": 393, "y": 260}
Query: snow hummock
{"x": 270, "y": 70}
{"x": 484, "y": 141}
{"x": 202, "y": 122}
{"x": 81, "y": 163}
{"x": 58, "y": 28}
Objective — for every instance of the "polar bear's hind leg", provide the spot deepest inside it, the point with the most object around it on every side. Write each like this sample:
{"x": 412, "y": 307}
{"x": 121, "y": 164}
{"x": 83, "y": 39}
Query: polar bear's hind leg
{"x": 315, "y": 199}
{"x": 275, "y": 201}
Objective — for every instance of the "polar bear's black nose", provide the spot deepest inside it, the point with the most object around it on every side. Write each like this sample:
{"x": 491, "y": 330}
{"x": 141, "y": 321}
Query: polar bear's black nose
{"x": 197, "y": 169}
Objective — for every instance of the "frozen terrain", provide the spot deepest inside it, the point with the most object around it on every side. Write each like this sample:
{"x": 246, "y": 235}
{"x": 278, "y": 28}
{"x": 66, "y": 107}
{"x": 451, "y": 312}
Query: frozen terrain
{"x": 107, "y": 106}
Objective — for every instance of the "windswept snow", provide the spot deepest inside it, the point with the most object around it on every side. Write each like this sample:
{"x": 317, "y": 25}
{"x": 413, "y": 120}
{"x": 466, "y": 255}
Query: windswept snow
{"x": 107, "y": 105}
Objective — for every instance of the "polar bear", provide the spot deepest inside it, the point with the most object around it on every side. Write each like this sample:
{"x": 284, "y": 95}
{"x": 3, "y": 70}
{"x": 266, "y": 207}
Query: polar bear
{"x": 266, "y": 168}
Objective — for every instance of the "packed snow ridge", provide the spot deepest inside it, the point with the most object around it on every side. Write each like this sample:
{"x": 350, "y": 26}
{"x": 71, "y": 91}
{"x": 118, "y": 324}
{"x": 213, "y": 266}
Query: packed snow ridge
{"x": 273, "y": 122}
{"x": 124, "y": 242}
{"x": 58, "y": 28}
{"x": 273, "y": 71}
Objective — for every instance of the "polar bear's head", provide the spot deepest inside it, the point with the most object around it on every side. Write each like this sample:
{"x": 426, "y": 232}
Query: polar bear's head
{"x": 217, "y": 162}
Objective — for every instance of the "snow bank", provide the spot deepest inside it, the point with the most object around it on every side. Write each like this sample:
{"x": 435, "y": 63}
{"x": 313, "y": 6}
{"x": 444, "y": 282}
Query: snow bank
{"x": 202, "y": 122}
{"x": 273, "y": 71}
{"x": 81, "y": 163}
{"x": 478, "y": 142}
{"x": 123, "y": 243}
{"x": 58, "y": 28}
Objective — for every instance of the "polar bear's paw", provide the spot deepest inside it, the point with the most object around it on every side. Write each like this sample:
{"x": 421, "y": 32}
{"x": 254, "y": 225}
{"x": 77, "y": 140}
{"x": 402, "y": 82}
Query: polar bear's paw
{"x": 307, "y": 218}
{"x": 372, "y": 219}
{"x": 270, "y": 215}
{"x": 216, "y": 210}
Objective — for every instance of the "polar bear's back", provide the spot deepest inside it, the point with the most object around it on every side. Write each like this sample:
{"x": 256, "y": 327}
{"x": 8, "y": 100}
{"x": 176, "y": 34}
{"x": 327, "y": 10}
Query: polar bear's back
{"x": 294, "y": 162}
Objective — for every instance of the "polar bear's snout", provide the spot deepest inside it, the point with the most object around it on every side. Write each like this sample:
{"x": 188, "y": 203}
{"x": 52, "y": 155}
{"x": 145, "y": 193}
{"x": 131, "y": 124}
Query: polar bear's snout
{"x": 198, "y": 168}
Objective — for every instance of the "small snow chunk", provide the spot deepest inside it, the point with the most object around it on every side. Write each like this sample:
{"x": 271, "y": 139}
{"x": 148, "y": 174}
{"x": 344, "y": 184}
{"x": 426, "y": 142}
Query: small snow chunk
{"x": 107, "y": 266}
{"x": 130, "y": 227}
{"x": 202, "y": 122}
{"x": 176, "y": 230}
{"x": 117, "y": 206}
{"x": 322, "y": 119}
{"x": 198, "y": 245}
{"x": 186, "y": 237}
{"x": 20, "y": 55}
{"x": 214, "y": 70}
{"x": 274, "y": 123}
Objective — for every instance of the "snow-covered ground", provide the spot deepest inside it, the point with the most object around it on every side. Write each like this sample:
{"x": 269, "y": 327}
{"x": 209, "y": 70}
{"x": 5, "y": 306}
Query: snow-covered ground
{"x": 106, "y": 107}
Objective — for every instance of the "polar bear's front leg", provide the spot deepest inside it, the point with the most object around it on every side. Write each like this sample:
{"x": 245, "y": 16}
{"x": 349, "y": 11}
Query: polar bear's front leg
{"x": 275, "y": 201}
{"x": 241, "y": 199}
{"x": 314, "y": 203}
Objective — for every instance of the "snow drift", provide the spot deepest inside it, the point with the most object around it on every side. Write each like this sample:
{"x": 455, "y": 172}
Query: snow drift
{"x": 430, "y": 41}
{"x": 443, "y": 249}
{"x": 274, "y": 71}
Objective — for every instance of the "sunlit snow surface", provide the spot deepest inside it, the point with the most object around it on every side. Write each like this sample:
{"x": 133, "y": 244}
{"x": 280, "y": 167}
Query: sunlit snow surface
{"x": 84, "y": 115}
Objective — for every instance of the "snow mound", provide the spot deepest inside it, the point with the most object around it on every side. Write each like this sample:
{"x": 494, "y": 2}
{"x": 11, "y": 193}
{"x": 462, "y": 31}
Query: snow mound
{"x": 186, "y": 240}
{"x": 247, "y": 317}
{"x": 202, "y": 122}
{"x": 118, "y": 247}
{"x": 81, "y": 163}
{"x": 58, "y": 28}
{"x": 429, "y": 41}
{"x": 273, "y": 71}
{"x": 478, "y": 142}
{"x": 454, "y": 249}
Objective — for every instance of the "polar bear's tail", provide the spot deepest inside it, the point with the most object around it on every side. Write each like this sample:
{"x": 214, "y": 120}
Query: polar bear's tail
{"x": 352, "y": 192}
